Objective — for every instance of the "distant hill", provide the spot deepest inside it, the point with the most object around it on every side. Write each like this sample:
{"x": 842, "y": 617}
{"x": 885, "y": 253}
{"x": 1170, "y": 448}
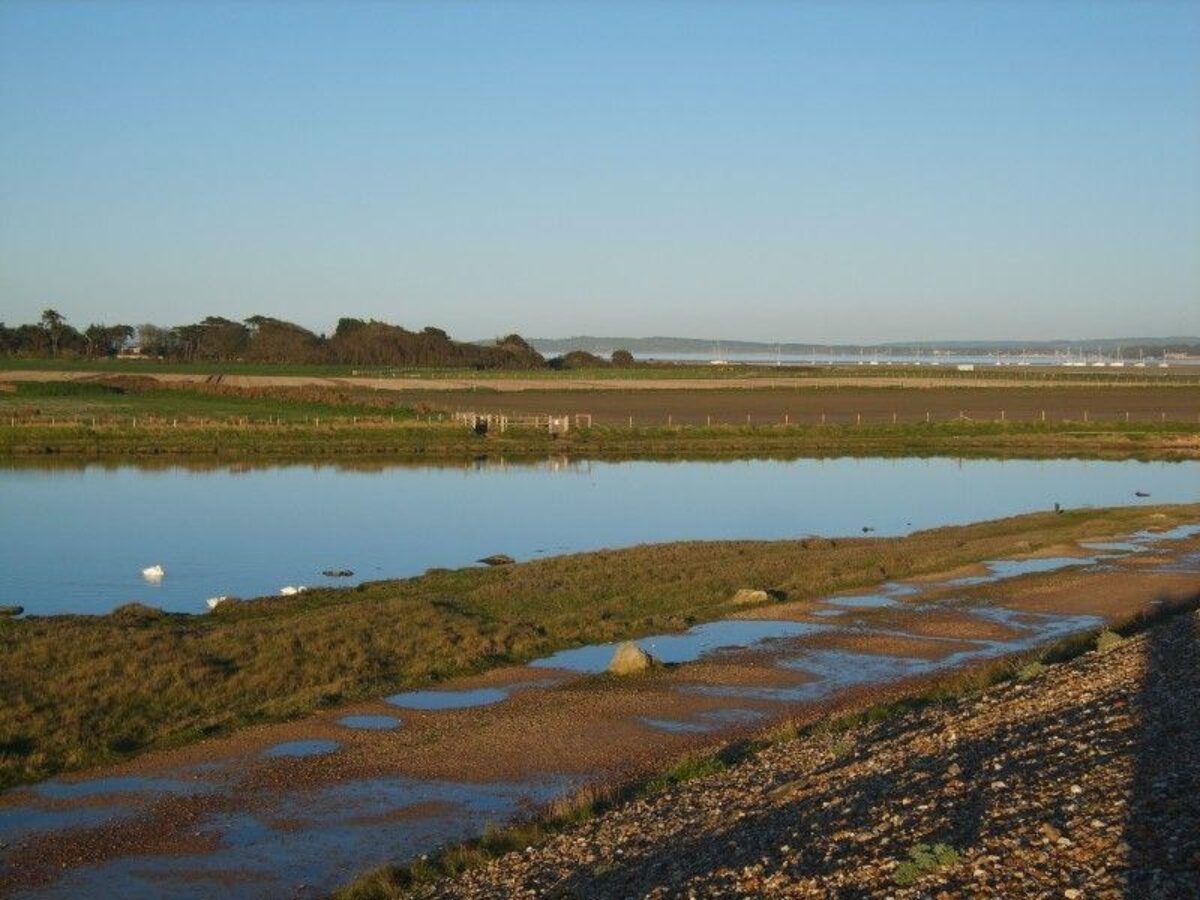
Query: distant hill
{"x": 650, "y": 346}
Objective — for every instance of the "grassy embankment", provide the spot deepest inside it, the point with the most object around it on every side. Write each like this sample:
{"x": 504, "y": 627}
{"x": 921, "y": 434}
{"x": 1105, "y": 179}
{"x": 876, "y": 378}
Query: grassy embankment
{"x": 82, "y": 690}
{"x": 137, "y": 417}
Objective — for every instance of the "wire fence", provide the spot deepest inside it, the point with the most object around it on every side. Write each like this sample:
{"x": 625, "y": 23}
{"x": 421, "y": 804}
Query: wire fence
{"x": 565, "y": 422}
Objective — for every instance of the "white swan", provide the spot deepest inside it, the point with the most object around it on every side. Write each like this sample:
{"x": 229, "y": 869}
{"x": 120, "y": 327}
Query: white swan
{"x": 154, "y": 573}
{"x": 214, "y": 602}
{"x": 291, "y": 591}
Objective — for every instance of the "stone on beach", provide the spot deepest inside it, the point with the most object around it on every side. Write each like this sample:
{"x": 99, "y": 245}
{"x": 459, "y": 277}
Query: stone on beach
{"x": 629, "y": 659}
{"x": 750, "y": 596}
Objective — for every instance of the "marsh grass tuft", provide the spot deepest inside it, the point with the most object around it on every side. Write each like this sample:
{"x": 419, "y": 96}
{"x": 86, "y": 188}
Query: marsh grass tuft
{"x": 922, "y": 860}
{"x": 1108, "y": 640}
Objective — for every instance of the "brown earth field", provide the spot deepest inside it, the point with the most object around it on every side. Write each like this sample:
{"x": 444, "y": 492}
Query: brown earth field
{"x": 765, "y": 400}
{"x": 806, "y": 404}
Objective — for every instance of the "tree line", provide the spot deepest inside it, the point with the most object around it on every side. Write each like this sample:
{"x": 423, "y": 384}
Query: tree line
{"x": 360, "y": 342}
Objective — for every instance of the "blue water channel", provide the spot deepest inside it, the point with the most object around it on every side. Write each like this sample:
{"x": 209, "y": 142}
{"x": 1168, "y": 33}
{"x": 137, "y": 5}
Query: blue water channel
{"x": 77, "y": 539}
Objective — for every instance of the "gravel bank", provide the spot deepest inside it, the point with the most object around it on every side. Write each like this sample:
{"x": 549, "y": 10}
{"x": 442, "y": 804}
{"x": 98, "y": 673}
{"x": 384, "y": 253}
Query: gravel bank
{"x": 1083, "y": 781}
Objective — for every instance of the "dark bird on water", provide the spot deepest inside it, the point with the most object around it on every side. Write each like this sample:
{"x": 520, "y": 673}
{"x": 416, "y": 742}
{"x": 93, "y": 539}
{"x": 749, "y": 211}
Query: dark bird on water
{"x": 1140, "y": 494}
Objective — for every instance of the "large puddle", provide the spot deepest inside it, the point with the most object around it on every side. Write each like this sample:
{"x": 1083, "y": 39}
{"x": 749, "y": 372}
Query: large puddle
{"x": 674, "y": 649}
{"x": 252, "y": 531}
{"x": 305, "y": 843}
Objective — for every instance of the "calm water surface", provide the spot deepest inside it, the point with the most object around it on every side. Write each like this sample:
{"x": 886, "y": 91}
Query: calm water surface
{"x": 76, "y": 540}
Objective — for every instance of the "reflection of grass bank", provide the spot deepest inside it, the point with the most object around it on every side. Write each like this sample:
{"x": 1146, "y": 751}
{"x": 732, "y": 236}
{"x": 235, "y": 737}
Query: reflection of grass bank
{"x": 405, "y": 438}
{"x": 80, "y": 690}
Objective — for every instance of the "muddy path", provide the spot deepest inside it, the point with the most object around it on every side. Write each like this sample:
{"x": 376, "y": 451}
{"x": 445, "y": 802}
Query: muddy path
{"x": 300, "y": 808}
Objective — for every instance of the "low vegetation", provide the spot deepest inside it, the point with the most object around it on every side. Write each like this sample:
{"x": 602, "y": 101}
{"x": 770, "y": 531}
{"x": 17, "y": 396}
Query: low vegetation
{"x": 922, "y": 860}
{"x": 81, "y": 690}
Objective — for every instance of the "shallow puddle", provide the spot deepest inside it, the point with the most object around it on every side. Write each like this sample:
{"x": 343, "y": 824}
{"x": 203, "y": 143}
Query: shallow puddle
{"x": 1178, "y": 533}
{"x": 1118, "y": 547}
{"x": 370, "y": 722}
{"x": 300, "y": 749}
{"x": 833, "y": 670}
{"x": 448, "y": 699}
{"x": 685, "y": 647}
{"x": 320, "y": 839}
{"x": 864, "y": 601}
{"x": 20, "y": 822}
{"x": 1003, "y": 569}
{"x": 702, "y": 723}
{"x": 128, "y": 784}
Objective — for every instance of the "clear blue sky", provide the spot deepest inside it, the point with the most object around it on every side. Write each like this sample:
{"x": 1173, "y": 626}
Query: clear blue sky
{"x": 809, "y": 171}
